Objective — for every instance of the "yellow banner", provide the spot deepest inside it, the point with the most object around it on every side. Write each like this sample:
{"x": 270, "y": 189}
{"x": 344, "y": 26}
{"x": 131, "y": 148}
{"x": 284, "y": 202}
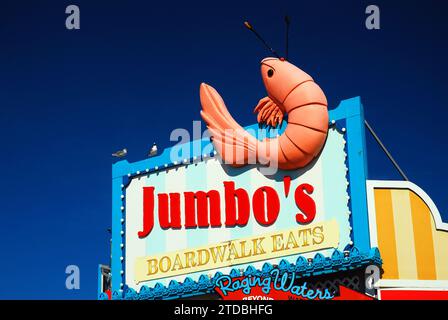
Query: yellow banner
{"x": 318, "y": 236}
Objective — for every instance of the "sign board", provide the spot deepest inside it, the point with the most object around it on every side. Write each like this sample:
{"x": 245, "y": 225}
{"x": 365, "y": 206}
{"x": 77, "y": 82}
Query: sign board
{"x": 217, "y": 219}
{"x": 204, "y": 217}
{"x": 180, "y": 226}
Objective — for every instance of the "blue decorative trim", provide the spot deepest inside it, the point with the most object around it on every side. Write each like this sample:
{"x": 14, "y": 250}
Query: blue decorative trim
{"x": 99, "y": 289}
{"x": 303, "y": 268}
{"x": 118, "y": 235}
{"x": 353, "y": 112}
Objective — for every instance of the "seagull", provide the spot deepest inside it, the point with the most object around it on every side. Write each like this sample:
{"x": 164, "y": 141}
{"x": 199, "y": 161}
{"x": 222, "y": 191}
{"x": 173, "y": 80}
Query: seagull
{"x": 120, "y": 153}
{"x": 153, "y": 150}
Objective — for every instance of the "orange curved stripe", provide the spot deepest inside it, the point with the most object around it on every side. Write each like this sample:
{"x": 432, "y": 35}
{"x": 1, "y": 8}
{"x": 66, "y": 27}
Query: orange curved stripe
{"x": 423, "y": 240}
{"x": 386, "y": 233}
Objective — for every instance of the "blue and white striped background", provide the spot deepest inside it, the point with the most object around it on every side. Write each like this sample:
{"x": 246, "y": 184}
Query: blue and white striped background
{"x": 327, "y": 175}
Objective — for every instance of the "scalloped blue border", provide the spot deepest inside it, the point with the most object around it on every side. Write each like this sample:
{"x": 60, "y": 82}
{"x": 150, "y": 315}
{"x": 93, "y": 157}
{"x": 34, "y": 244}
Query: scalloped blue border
{"x": 349, "y": 113}
{"x": 303, "y": 268}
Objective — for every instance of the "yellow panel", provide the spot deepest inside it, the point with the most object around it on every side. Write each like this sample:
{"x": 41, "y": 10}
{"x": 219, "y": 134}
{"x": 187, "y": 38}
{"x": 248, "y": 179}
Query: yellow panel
{"x": 441, "y": 251}
{"x": 404, "y": 234}
{"x": 386, "y": 233}
{"x": 310, "y": 238}
{"x": 424, "y": 245}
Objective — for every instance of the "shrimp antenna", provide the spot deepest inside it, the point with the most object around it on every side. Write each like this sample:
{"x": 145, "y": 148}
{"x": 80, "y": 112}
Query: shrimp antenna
{"x": 249, "y": 26}
{"x": 287, "y": 21}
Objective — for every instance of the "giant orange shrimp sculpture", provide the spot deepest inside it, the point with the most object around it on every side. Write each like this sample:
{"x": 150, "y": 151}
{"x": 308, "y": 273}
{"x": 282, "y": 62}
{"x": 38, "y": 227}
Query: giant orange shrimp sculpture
{"x": 291, "y": 92}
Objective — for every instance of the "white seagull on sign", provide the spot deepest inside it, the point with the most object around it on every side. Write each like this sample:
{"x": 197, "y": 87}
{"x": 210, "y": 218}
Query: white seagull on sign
{"x": 153, "y": 150}
{"x": 120, "y": 153}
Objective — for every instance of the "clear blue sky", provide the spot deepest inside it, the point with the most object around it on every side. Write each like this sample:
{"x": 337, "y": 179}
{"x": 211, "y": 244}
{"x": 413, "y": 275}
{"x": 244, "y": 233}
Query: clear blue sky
{"x": 131, "y": 74}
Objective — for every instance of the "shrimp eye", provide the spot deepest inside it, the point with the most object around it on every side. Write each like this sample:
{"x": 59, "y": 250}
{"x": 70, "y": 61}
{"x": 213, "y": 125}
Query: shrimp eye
{"x": 270, "y": 73}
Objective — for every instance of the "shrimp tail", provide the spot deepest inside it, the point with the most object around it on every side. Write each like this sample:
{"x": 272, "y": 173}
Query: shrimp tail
{"x": 234, "y": 144}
